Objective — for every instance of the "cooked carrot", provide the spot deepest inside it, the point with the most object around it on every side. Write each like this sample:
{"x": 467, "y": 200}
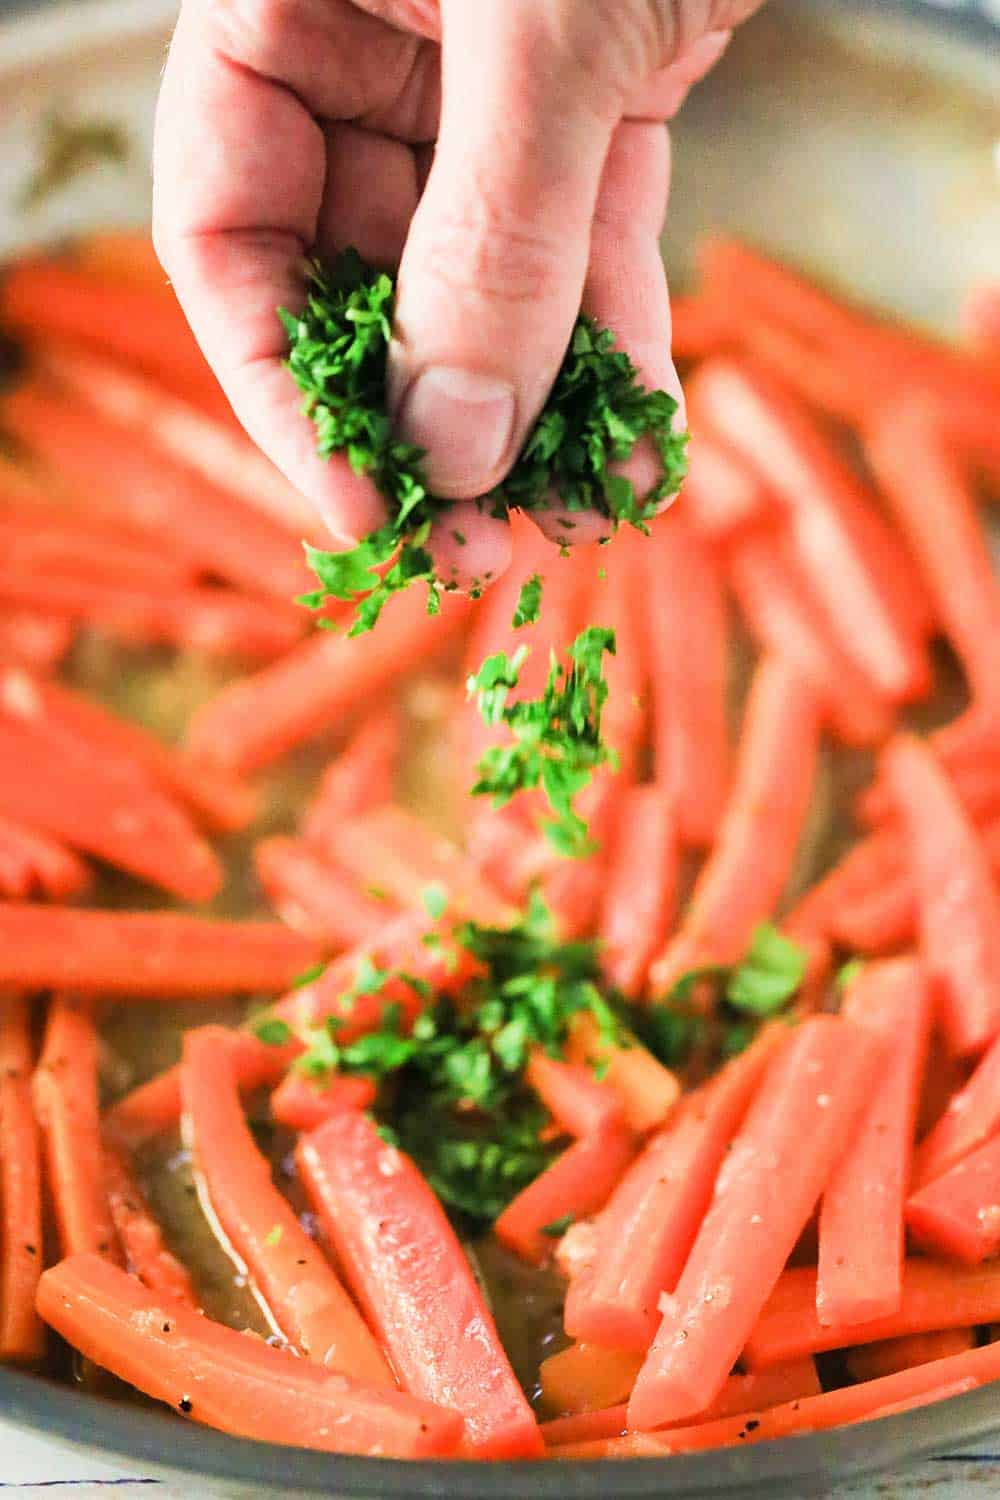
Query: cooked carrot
{"x": 65, "y": 1091}
{"x": 578, "y": 1183}
{"x": 254, "y": 721}
{"x": 303, "y": 1103}
{"x": 22, "y": 1338}
{"x": 640, "y": 890}
{"x": 696, "y": 329}
{"x": 735, "y": 274}
{"x": 861, "y": 873}
{"x": 646, "y": 1088}
{"x": 300, "y": 1288}
{"x": 127, "y": 479}
{"x": 579, "y": 1102}
{"x": 873, "y": 1361}
{"x": 773, "y": 595}
{"x": 50, "y": 868}
{"x": 977, "y": 783}
{"x": 146, "y": 953}
{"x": 217, "y": 1376}
{"x": 958, "y": 904}
{"x": 881, "y": 921}
{"x": 616, "y": 603}
{"x": 645, "y": 1231}
{"x": 122, "y": 255}
{"x": 741, "y": 882}
{"x": 935, "y": 1295}
{"x": 861, "y": 1234}
{"x": 686, "y": 639}
{"x": 140, "y": 1236}
{"x": 587, "y": 1378}
{"x": 832, "y": 525}
{"x": 47, "y": 546}
{"x": 778, "y": 1165}
{"x": 317, "y": 897}
{"x": 721, "y": 494}
{"x": 965, "y": 745}
{"x": 970, "y": 1118}
{"x": 410, "y": 1275}
{"x": 34, "y": 639}
{"x": 935, "y": 508}
{"x": 945, "y": 1076}
{"x": 360, "y": 778}
{"x": 958, "y": 1214}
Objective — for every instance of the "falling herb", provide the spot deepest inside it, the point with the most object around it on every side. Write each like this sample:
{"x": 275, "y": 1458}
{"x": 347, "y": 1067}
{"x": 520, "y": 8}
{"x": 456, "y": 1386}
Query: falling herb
{"x": 529, "y": 602}
{"x": 558, "y": 1227}
{"x": 848, "y": 973}
{"x": 68, "y": 148}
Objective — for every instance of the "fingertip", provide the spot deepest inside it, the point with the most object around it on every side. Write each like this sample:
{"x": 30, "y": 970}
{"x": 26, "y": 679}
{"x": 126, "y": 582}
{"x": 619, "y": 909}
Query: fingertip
{"x": 576, "y": 528}
{"x": 471, "y": 549}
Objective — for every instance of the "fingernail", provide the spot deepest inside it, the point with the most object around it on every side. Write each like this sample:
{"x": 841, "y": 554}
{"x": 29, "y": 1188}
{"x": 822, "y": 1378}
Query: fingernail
{"x": 465, "y": 422}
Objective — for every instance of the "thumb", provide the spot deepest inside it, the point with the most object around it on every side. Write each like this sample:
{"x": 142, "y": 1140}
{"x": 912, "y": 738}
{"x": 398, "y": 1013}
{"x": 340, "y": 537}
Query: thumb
{"x": 493, "y": 270}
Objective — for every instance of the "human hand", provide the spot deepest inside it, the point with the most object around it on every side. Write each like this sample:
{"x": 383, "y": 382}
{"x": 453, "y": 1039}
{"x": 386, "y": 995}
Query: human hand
{"x": 291, "y": 127}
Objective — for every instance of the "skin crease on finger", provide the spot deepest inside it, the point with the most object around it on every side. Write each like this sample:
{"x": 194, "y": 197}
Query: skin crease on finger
{"x": 318, "y": 99}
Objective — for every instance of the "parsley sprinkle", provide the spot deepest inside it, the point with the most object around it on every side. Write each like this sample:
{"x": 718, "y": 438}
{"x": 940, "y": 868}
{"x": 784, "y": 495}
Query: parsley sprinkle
{"x": 848, "y": 973}
{"x": 558, "y": 1227}
{"x": 529, "y": 603}
{"x": 435, "y": 899}
{"x": 273, "y": 1236}
{"x": 309, "y": 976}
{"x": 273, "y": 1031}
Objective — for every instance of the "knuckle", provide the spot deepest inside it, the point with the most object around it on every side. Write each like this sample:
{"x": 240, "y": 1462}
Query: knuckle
{"x": 249, "y": 32}
{"x": 476, "y": 247}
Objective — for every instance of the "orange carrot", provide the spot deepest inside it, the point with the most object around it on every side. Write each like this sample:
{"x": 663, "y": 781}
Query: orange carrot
{"x": 640, "y": 891}
{"x": 360, "y": 778}
{"x": 587, "y": 1378}
{"x": 145, "y": 953}
{"x": 410, "y": 1275}
{"x": 616, "y": 603}
{"x": 935, "y": 1296}
{"x": 45, "y": 545}
{"x": 31, "y": 864}
{"x": 579, "y": 1102}
{"x": 222, "y": 1378}
{"x": 298, "y": 1285}
{"x": 861, "y": 873}
{"x": 873, "y": 1361}
{"x": 935, "y": 508}
{"x": 696, "y": 329}
{"x": 645, "y": 1231}
{"x": 977, "y": 783}
{"x": 741, "y": 882}
{"x": 958, "y": 904}
{"x": 646, "y": 1089}
{"x": 773, "y": 595}
{"x": 722, "y": 496}
{"x": 861, "y": 1274}
{"x": 65, "y": 1091}
{"x": 686, "y": 638}
{"x": 958, "y": 1214}
{"x": 578, "y": 1183}
{"x": 970, "y": 1118}
{"x": 22, "y": 1337}
{"x": 122, "y": 255}
{"x": 141, "y": 1238}
{"x": 316, "y": 897}
{"x": 779, "y": 1164}
{"x": 302, "y": 1103}
{"x": 34, "y": 639}
{"x": 254, "y": 721}
{"x": 881, "y": 922}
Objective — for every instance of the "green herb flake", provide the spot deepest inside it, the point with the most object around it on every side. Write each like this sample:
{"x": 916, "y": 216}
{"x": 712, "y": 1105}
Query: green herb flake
{"x": 770, "y": 974}
{"x": 435, "y": 901}
{"x": 558, "y": 1227}
{"x": 308, "y": 976}
{"x": 273, "y": 1031}
{"x": 273, "y": 1236}
{"x": 847, "y": 974}
{"x": 529, "y": 602}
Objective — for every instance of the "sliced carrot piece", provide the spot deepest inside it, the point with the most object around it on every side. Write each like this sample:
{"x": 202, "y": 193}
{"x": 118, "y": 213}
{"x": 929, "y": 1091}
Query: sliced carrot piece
{"x": 145, "y": 953}
{"x": 970, "y": 1118}
{"x": 616, "y": 603}
{"x": 34, "y": 639}
{"x": 721, "y": 494}
{"x": 410, "y": 1275}
{"x": 779, "y": 1164}
{"x": 360, "y": 778}
{"x": 299, "y": 1286}
{"x": 861, "y": 1274}
{"x": 222, "y": 1378}
{"x": 141, "y": 1238}
{"x": 316, "y": 897}
{"x": 935, "y": 1295}
{"x": 22, "y": 1338}
{"x": 577, "y": 1184}
{"x": 122, "y": 255}
{"x": 579, "y": 1102}
{"x": 741, "y": 882}
{"x": 686, "y": 639}
{"x": 44, "y": 544}
{"x": 958, "y": 1214}
{"x": 640, "y": 893}
{"x": 644, "y": 1233}
{"x": 873, "y": 1361}
{"x": 696, "y": 329}
{"x": 587, "y": 1378}
{"x": 65, "y": 1092}
{"x": 862, "y": 873}
{"x": 44, "y": 866}
{"x": 302, "y": 1103}
{"x": 646, "y": 1089}
{"x": 958, "y": 905}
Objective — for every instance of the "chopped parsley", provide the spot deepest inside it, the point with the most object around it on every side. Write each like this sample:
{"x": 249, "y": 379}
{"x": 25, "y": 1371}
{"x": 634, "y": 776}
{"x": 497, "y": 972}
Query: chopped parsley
{"x": 557, "y": 741}
{"x": 529, "y": 602}
{"x": 848, "y": 973}
{"x": 558, "y": 1227}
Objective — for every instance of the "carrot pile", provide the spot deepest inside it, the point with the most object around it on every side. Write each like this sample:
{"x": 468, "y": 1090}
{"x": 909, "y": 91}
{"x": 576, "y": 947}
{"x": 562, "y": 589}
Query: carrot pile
{"x": 727, "y": 1196}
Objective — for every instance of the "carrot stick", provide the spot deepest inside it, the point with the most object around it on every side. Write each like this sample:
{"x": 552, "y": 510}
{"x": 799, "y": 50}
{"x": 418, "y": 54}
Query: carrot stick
{"x": 957, "y": 901}
{"x": 145, "y": 953}
{"x": 838, "y": 539}
{"x": 861, "y": 873}
{"x": 640, "y": 891}
{"x": 645, "y": 1231}
{"x": 254, "y": 721}
{"x": 696, "y": 329}
{"x": 741, "y": 882}
{"x": 873, "y": 1361}
{"x": 646, "y": 1089}
{"x": 302, "y": 1103}
{"x": 34, "y": 639}
{"x": 22, "y": 1338}
{"x": 687, "y": 642}
{"x": 977, "y": 783}
{"x": 779, "y": 1164}
{"x": 316, "y": 897}
{"x": 122, "y": 255}
{"x": 57, "y": 784}
{"x": 44, "y": 544}
{"x": 360, "y": 778}
{"x": 49, "y": 868}
{"x": 934, "y": 506}
{"x": 882, "y": 922}
{"x": 578, "y": 1183}
{"x": 65, "y": 1092}
{"x": 935, "y": 1295}
{"x": 579, "y": 1102}
{"x": 126, "y": 478}
{"x": 958, "y": 1214}
{"x": 861, "y": 1274}
{"x": 298, "y": 1285}
{"x": 222, "y": 1378}
{"x": 588, "y": 1379}
{"x": 616, "y": 603}
{"x": 722, "y": 496}
{"x": 773, "y": 595}
{"x": 970, "y": 1118}
{"x": 734, "y": 275}
{"x": 410, "y": 1275}
{"x": 146, "y": 1255}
